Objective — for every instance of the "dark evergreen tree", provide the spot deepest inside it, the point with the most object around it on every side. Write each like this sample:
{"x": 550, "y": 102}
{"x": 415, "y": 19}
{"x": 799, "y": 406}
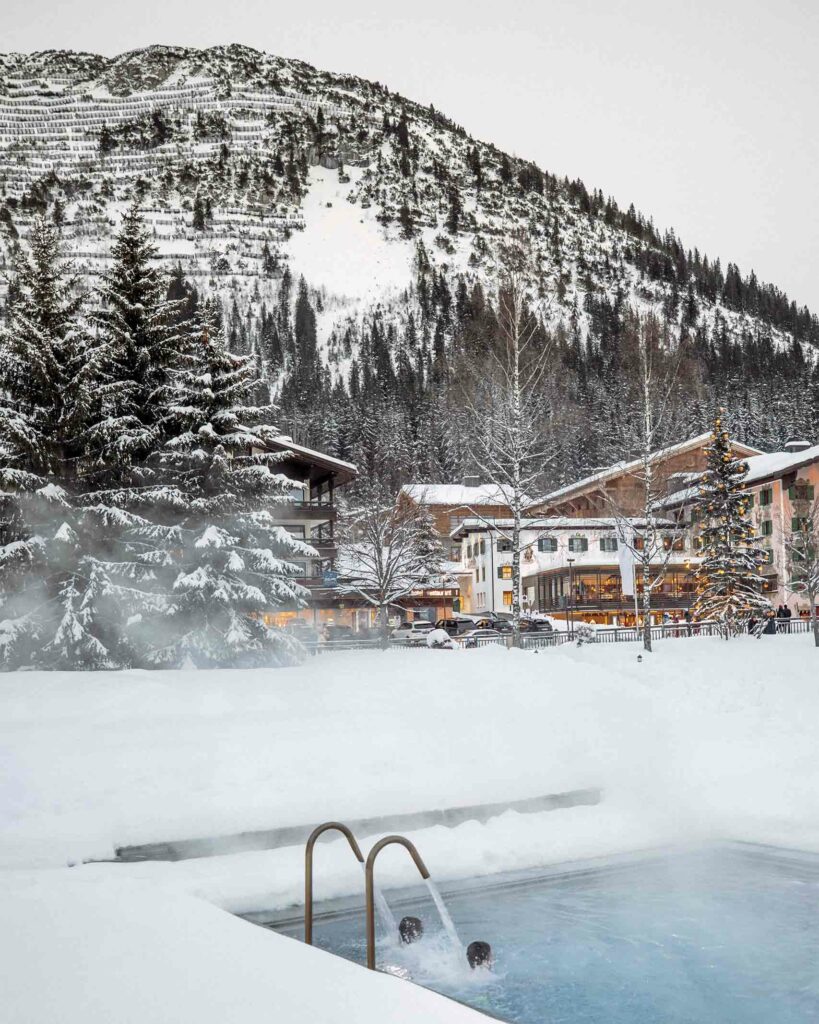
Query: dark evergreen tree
{"x": 224, "y": 564}
{"x": 48, "y": 558}
{"x": 729, "y": 585}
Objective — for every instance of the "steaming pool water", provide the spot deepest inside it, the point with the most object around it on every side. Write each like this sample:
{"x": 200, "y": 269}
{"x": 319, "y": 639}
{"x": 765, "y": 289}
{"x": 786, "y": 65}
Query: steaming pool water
{"x": 727, "y": 935}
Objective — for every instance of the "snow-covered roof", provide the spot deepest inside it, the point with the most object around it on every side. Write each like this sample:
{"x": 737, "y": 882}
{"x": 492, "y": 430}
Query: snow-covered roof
{"x": 619, "y": 468}
{"x": 457, "y": 495}
{"x": 760, "y": 467}
{"x": 286, "y": 443}
{"x": 766, "y": 466}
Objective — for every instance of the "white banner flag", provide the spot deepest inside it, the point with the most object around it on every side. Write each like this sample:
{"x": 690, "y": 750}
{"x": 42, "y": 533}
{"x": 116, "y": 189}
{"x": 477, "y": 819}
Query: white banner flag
{"x": 625, "y": 556}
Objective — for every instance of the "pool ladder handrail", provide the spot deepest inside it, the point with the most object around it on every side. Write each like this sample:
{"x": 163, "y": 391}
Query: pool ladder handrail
{"x": 370, "y": 886}
{"x": 308, "y": 869}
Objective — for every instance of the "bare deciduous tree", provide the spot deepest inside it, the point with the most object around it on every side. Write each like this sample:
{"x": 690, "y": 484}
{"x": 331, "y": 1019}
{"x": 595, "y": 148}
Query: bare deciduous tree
{"x": 387, "y": 551}
{"x": 504, "y": 403}
{"x": 644, "y": 429}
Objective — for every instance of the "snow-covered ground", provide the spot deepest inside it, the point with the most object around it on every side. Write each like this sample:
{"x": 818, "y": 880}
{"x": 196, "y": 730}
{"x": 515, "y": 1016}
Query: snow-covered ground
{"x": 717, "y": 735}
{"x": 343, "y": 248}
{"x": 121, "y": 952}
{"x": 703, "y": 739}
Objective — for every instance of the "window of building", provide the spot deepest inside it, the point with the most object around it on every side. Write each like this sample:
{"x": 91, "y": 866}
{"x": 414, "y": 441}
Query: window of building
{"x": 468, "y": 550}
{"x": 608, "y": 543}
{"x": 504, "y": 545}
{"x": 547, "y": 544}
{"x": 578, "y": 544}
{"x": 749, "y": 498}
{"x": 766, "y": 496}
{"x": 767, "y": 528}
{"x": 801, "y": 492}
{"x": 507, "y": 598}
{"x": 799, "y": 523}
{"x": 673, "y": 543}
{"x": 483, "y": 547}
{"x": 639, "y": 543}
{"x": 504, "y": 572}
{"x": 455, "y": 554}
{"x": 483, "y": 574}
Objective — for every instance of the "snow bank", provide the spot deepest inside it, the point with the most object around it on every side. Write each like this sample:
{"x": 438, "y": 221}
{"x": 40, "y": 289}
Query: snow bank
{"x": 79, "y": 953}
{"x": 703, "y": 736}
{"x": 268, "y": 880}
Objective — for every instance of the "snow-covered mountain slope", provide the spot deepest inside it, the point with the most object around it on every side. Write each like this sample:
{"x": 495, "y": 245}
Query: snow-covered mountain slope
{"x": 246, "y": 162}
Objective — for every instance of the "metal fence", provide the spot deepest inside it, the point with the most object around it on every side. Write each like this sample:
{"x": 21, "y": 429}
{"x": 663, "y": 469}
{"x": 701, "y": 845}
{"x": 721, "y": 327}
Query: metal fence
{"x": 536, "y": 641}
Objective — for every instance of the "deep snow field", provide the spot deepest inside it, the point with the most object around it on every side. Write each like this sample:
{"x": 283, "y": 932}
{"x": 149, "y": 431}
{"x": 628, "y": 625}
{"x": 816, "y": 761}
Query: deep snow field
{"x": 702, "y": 740}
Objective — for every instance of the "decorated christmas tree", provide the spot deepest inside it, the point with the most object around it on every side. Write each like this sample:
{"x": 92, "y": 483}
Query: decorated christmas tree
{"x": 729, "y": 585}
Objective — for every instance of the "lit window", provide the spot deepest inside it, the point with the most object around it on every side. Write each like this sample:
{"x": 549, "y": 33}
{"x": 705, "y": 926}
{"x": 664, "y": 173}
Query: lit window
{"x": 504, "y": 572}
{"x": 507, "y": 598}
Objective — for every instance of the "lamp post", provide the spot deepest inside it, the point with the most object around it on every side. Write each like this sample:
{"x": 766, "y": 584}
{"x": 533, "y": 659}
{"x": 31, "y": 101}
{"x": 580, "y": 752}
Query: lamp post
{"x": 570, "y": 563}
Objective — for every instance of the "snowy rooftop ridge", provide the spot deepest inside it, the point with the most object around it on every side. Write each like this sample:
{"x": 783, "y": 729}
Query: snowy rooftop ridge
{"x": 288, "y": 444}
{"x": 774, "y": 463}
{"x": 766, "y": 466}
{"x": 456, "y": 495}
{"x": 619, "y": 468}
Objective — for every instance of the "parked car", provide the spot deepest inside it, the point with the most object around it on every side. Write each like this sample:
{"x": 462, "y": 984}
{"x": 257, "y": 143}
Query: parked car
{"x": 499, "y": 625}
{"x": 303, "y": 631}
{"x": 471, "y": 638}
{"x": 412, "y": 632}
{"x": 455, "y": 626}
{"x": 535, "y": 626}
{"x": 337, "y": 632}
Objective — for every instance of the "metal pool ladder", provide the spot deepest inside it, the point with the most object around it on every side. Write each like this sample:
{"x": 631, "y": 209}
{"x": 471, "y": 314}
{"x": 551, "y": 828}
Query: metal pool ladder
{"x": 308, "y": 869}
{"x": 379, "y": 846}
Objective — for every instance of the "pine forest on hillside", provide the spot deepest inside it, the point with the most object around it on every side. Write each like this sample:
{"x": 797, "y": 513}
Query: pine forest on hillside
{"x": 255, "y": 175}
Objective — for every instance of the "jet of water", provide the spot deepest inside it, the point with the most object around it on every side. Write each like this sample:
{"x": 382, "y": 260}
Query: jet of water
{"x": 385, "y": 915}
{"x": 449, "y": 924}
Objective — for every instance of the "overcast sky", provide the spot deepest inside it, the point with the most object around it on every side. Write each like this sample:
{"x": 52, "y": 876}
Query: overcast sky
{"x": 705, "y": 115}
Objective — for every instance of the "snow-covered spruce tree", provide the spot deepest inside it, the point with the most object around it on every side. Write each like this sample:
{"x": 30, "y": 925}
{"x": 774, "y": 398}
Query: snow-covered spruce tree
{"x": 219, "y": 558}
{"x": 139, "y": 345}
{"x": 129, "y": 509}
{"x": 48, "y": 568}
{"x": 729, "y": 586}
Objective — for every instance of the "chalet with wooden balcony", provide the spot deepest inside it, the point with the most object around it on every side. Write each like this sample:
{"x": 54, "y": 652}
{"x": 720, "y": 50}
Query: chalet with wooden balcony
{"x": 311, "y": 516}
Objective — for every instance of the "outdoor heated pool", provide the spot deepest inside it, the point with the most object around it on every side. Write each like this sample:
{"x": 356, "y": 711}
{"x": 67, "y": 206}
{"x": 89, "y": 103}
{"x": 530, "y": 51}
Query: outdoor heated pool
{"x": 728, "y": 935}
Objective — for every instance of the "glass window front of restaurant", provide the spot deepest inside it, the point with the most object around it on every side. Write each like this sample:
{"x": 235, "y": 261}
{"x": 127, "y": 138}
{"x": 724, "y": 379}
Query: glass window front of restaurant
{"x": 600, "y": 588}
